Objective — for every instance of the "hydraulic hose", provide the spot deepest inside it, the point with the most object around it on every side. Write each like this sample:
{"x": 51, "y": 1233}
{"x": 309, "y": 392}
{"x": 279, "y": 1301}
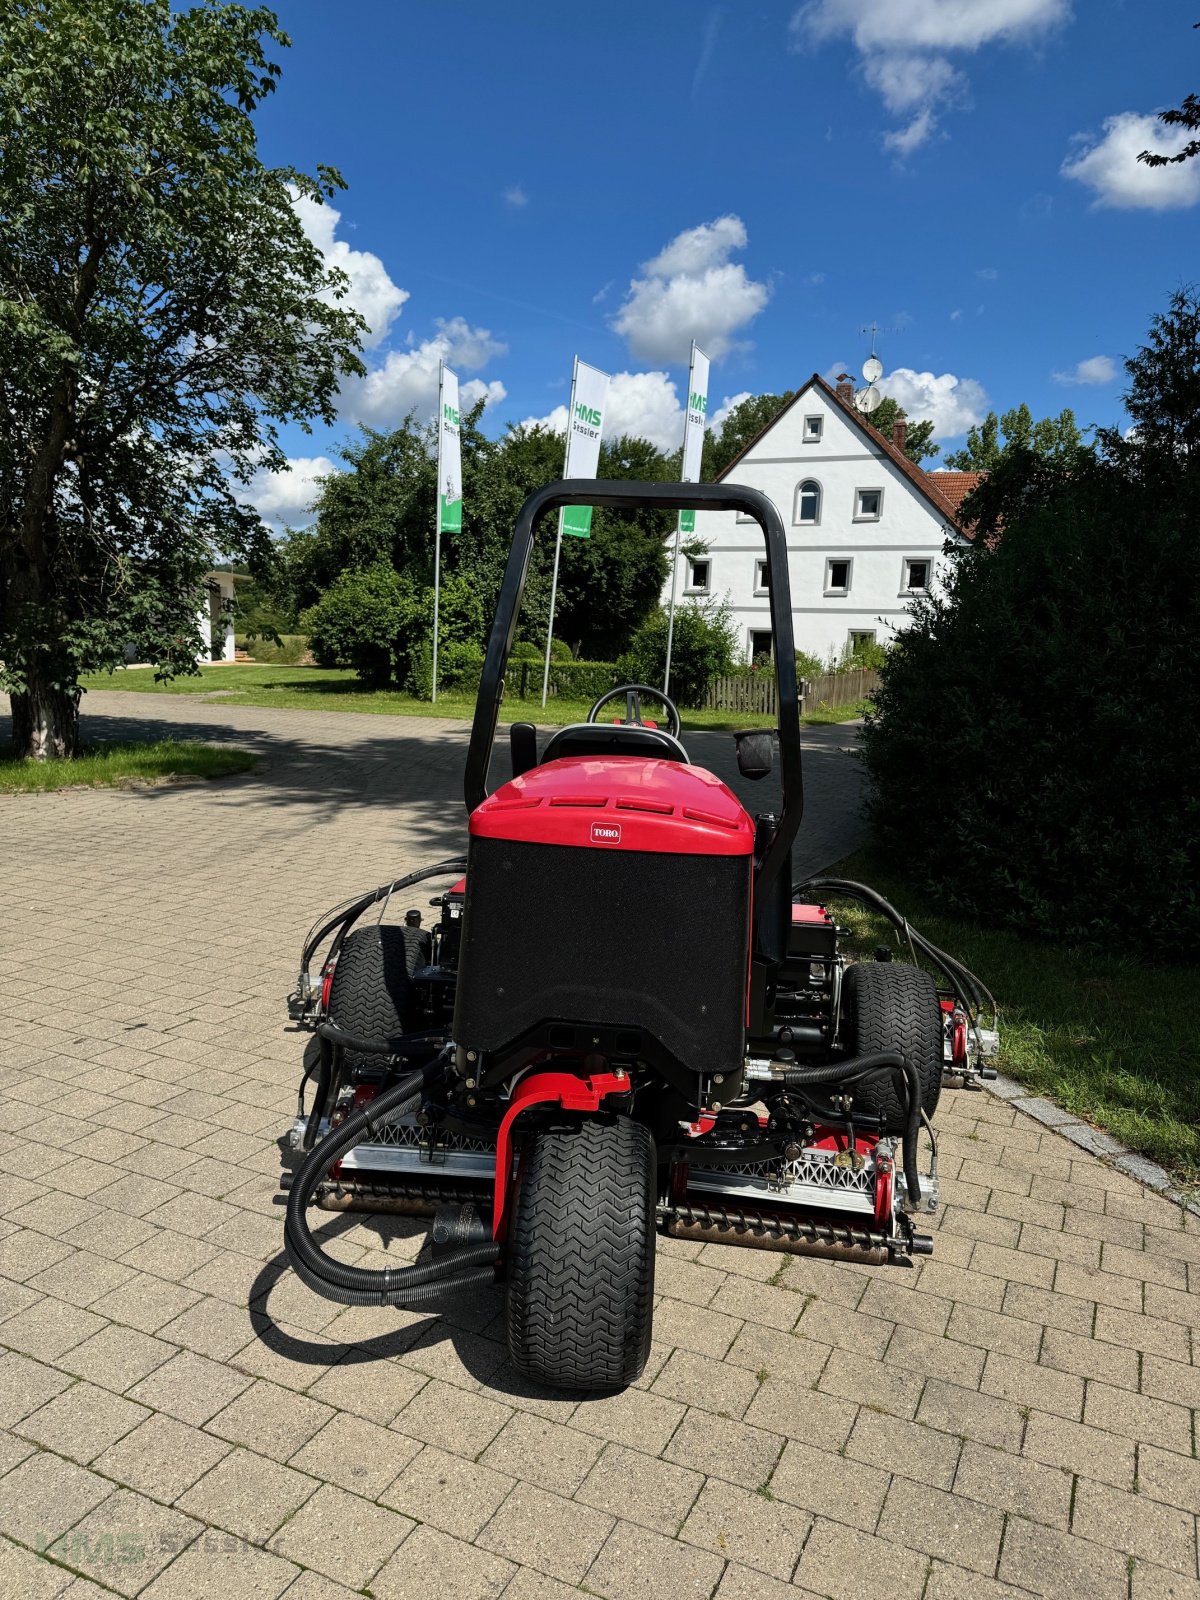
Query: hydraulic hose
{"x": 359, "y": 1286}
{"x": 846, "y": 1072}
{"x": 350, "y": 910}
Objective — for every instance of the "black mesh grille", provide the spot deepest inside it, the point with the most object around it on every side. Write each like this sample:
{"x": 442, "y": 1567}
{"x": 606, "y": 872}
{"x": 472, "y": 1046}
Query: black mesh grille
{"x": 622, "y": 938}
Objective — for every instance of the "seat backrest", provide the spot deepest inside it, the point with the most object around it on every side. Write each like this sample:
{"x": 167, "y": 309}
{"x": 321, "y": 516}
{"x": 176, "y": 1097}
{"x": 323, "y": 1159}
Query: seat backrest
{"x": 613, "y": 739}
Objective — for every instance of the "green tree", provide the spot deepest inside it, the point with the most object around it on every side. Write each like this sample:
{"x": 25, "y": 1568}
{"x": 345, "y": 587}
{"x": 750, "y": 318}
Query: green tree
{"x": 1055, "y": 682}
{"x": 161, "y": 312}
{"x": 918, "y": 436}
{"x": 703, "y": 646}
{"x": 1051, "y": 439}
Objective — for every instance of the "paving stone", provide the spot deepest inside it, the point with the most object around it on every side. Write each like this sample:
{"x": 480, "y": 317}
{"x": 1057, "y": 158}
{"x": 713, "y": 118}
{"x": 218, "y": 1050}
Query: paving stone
{"x": 248, "y": 1494}
{"x": 49, "y": 1328}
{"x": 1152, "y": 1582}
{"x": 895, "y": 1445}
{"x": 831, "y": 1485}
{"x": 785, "y": 1405}
{"x": 1055, "y": 1564}
{"x": 733, "y": 1451}
{"x": 376, "y": 1391}
{"x": 44, "y": 1496}
{"x": 1024, "y": 1487}
{"x": 539, "y": 1451}
{"x": 877, "y": 1383}
{"x": 341, "y": 1535}
{"x": 1040, "y": 1388}
{"x": 116, "y": 1357}
{"x": 1090, "y": 1358}
{"x": 641, "y": 1488}
{"x": 421, "y": 1566}
{"x": 559, "y": 1537}
{"x": 925, "y": 1353}
{"x": 358, "y": 1455}
{"x": 700, "y": 1328}
{"x": 1168, "y": 1477}
{"x": 1075, "y": 1447}
{"x": 1137, "y": 1525}
{"x": 236, "y": 1573}
{"x": 25, "y": 1386}
{"x": 82, "y": 1422}
{"x": 161, "y": 1458}
{"x": 950, "y": 1526}
{"x": 271, "y": 1420}
{"x": 846, "y": 1564}
{"x": 744, "y": 1583}
{"x": 642, "y": 1421}
{"x": 985, "y": 1418}
{"x": 190, "y": 1388}
{"x": 145, "y": 1302}
{"x": 453, "y": 1494}
{"x": 637, "y": 1564}
{"x": 1139, "y": 1417}
{"x": 698, "y": 1380}
{"x": 126, "y": 1541}
{"x": 26, "y": 1574}
{"x": 454, "y": 1419}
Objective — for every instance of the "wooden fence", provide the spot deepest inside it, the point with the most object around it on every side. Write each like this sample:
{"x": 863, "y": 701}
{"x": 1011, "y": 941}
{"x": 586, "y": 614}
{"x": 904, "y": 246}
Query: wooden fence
{"x": 757, "y": 694}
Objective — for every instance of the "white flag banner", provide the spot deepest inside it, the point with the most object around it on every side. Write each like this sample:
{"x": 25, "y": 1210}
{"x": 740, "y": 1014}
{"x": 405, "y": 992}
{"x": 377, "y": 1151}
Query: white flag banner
{"x": 589, "y": 395}
{"x": 695, "y": 419}
{"x": 694, "y": 422}
{"x": 449, "y": 455}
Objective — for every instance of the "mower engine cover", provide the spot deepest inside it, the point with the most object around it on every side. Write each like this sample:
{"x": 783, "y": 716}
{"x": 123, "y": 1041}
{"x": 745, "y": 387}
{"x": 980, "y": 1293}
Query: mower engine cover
{"x": 611, "y": 892}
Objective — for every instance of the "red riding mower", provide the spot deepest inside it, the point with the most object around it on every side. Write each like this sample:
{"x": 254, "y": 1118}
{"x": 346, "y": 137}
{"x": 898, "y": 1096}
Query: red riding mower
{"x": 625, "y": 1019}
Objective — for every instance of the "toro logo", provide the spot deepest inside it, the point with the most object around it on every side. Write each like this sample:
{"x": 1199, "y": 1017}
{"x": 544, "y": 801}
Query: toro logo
{"x": 606, "y": 833}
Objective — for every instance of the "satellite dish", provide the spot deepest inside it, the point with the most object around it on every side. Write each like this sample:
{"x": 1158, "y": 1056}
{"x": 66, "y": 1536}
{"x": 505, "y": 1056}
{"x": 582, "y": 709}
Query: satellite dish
{"x": 872, "y": 369}
{"x": 869, "y": 399}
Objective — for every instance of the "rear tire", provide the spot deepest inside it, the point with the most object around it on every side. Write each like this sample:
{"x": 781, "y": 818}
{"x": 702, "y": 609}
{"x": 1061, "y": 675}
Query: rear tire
{"x": 581, "y": 1256}
{"x": 371, "y": 994}
{"x": 890, "y": 1005}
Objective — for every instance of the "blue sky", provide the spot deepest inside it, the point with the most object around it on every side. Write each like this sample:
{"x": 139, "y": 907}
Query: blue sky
{"x": 532, "y": 181}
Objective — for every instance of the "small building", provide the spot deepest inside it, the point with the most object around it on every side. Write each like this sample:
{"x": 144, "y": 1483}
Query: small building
{"x": 215, "y": 616}
{"x": 866, "y": 528}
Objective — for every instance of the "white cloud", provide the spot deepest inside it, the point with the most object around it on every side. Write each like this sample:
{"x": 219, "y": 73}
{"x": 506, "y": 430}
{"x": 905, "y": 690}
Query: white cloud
{"x": 1096, "y": 369}
{"x": 730, "y": 403}
{"x": 691, "y": 290}
{"x": 644, "y": 404}
{"x": 952, "y": 404}
{"x": 904, "y": 49}
{"x": 956, "y": 316}
{"x": 284, "y": 499}
{"x": 988, "y": 274}
{"x": 1109, "y": 166}
{"x": 371, "y": 291}
{"x": 515, "y": 196}
{"x": 406, "y": 380}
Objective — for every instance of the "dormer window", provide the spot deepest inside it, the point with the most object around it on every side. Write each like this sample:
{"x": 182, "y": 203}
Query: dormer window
{"x": 814, "y": 427}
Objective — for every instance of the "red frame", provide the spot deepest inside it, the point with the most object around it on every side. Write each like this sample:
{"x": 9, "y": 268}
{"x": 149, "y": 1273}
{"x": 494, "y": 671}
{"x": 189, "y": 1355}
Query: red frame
{"x": 546, "y": 1088}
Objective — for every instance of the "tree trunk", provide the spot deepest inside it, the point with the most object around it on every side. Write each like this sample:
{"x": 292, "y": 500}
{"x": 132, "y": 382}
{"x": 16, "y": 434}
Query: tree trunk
{"x": 45, "y": 723}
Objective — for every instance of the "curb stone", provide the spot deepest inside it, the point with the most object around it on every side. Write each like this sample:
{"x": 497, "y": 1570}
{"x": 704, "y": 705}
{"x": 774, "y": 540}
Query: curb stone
{"x": 1093, "y": 1140}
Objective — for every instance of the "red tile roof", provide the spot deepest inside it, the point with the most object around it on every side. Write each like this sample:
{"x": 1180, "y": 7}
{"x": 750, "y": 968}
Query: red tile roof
{"x": 956, "y": 486}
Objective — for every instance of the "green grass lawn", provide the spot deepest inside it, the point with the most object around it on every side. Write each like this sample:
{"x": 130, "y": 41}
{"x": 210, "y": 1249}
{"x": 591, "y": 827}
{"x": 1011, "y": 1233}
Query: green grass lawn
{"x": 104, "y": 765}
{"x": 1114, "y": 1042}
{"x": 330, "y": 689}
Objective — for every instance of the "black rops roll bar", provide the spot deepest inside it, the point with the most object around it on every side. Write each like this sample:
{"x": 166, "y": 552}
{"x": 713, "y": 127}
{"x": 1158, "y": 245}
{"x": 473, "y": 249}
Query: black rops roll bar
{"x": 666, "y": 497}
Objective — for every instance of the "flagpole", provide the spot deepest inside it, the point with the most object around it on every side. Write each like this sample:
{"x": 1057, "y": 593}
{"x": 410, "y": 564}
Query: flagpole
{"x": 678, "y": 530}
{"x": 558, "y": 540}
{"x": 437, "y": 529}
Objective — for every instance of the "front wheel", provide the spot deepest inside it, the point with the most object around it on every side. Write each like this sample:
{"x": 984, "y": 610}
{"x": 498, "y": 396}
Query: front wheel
{"x": 890, "y": 1005}
{"x": 581, "y": 1256}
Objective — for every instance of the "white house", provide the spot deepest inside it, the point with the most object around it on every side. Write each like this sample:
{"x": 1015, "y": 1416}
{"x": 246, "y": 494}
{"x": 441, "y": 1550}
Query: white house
{"x": 866, "y": 529}
{"x": 215, "y": 617}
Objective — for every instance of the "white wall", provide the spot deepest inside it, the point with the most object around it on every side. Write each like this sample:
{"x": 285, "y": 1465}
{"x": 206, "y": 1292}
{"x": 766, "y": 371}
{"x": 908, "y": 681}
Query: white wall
{"x": 842, "y": 462}
{"x": 216, "y": 630}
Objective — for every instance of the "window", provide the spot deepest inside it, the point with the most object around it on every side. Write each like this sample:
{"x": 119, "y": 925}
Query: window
{"x": 860, "y": 636}
{"x": 760, "y": 644}
{"x": 698, "y": 576}
{"x": 837, "y": 575}
{"x": 914, "y": 578}
{"x": 814, "y": 427}
{"x": 808, "y": 502}
{"x": 868, "y": 505}
{"x": 762, "y": 578}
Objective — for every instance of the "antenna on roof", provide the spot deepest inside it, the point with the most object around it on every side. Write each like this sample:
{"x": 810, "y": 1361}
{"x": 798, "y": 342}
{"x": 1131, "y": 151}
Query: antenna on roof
{"x": 869, "y": 398}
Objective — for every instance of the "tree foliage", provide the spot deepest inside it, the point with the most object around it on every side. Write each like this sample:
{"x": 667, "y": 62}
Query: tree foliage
{"x": 161, "y": 311}
{"x": 1033, "y": 750}
{"x": 380, "y": 509}
{"x": 1051, "y": 439}
{"x": 703, "y": 646}
{"x": 1185, "y": 115}
{"x": 918, "y": 436}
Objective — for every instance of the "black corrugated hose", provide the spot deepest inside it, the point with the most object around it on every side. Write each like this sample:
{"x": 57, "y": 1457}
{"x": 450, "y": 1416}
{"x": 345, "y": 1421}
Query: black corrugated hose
{"x": 360, "y": 1286}
{"x": 844, "y": 1072}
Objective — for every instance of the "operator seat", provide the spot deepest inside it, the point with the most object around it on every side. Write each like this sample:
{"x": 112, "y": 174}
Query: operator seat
{"x": 613, "y": 739}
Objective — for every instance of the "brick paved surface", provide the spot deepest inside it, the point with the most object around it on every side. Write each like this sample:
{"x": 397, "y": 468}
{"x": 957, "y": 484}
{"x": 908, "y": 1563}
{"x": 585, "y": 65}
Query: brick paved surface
{"x": 178, "y": 1418}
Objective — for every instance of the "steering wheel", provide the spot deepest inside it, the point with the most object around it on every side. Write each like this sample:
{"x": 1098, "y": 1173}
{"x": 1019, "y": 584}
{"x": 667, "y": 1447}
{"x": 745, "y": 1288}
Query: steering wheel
{"x": 633, "y": 693}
